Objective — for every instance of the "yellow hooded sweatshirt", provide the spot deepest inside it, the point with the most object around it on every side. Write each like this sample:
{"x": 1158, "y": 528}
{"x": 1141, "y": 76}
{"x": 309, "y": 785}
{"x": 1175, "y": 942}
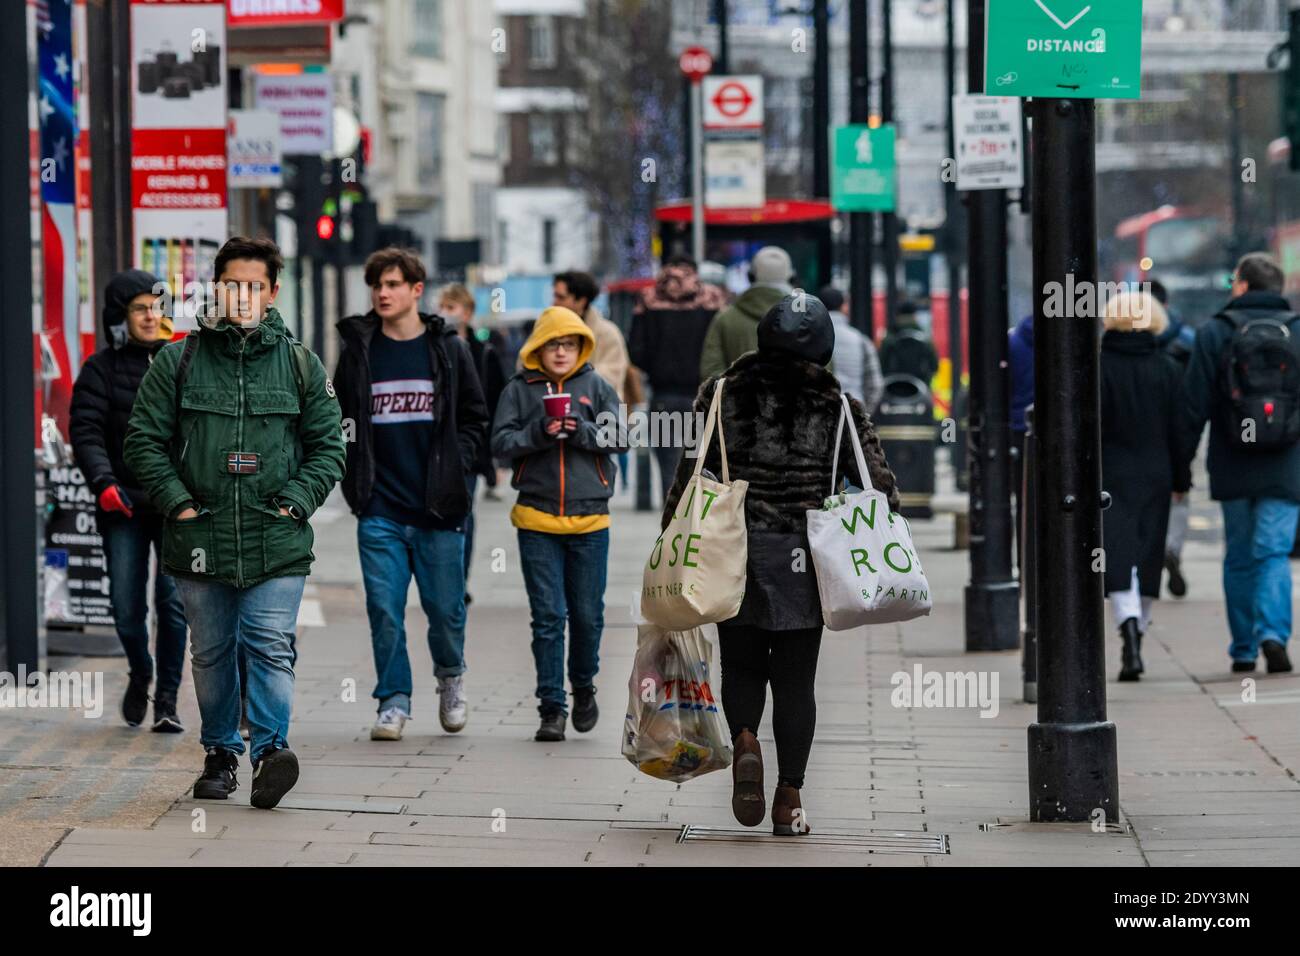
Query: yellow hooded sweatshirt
{"x": 556, "y": 322}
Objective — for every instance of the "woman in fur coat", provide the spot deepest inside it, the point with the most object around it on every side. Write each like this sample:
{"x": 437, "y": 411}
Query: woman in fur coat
{"x": 780, "y": 408}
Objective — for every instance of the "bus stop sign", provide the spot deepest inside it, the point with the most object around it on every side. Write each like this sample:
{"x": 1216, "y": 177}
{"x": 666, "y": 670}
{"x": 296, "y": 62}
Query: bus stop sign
{"x": 1069, "y": 49}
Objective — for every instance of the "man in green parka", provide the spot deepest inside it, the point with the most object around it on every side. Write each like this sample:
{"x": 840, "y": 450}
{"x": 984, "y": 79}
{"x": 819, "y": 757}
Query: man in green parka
{"x": 236, "y": 438}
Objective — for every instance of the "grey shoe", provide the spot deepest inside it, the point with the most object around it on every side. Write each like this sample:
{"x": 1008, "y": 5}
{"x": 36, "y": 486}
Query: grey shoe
{"x": 552, "y": 728}
{"x": 389, "y": 725}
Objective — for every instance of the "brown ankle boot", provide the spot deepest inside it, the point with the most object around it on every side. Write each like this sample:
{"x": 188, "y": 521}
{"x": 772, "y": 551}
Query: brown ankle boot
{"x": 787, "y": 813}
{"x": 747, "y": 780}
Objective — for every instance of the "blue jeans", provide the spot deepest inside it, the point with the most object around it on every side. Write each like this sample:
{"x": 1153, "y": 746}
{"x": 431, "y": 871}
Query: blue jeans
{"x": 261, "y": 621}
{"x": 126, "y": 546}
{"x": 565, "y": 577}
{"x": 1258, "y": 536}
{"x": 390, "y": 554}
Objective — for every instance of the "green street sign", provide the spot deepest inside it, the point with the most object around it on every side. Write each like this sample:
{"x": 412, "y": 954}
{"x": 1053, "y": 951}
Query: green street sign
{"x": 1071, "y": 49}
{"x": 863, "y": 172}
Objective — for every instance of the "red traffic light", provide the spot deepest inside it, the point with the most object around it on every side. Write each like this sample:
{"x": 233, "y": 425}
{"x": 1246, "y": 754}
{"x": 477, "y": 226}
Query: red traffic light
{"x": 325, "y": 228}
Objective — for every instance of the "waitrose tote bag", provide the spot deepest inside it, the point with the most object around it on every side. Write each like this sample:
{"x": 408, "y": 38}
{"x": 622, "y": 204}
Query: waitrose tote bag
{"x": 868, "y": 571}
{"x": 696, "y": 571}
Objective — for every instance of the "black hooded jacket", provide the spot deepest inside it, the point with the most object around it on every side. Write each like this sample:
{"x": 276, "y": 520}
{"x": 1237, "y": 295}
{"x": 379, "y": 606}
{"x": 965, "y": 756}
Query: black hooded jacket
{"x": 105, "y": 391}
{"x": 455, "y": 453}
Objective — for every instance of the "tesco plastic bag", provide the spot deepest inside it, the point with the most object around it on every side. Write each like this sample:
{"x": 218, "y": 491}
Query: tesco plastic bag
{"x": 673, "y": 729}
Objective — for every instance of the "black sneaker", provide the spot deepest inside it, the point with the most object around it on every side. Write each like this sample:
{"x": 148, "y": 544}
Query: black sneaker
{"x": 552, "y": 728}
{"x": 585, "y": 711}
{"x": 219, "y": 779}
{"x": 1243, "y": 667}
{"x": 273, "y": 777}
{"x": 1276, "y": 657}
{"x": 165, "y": 720}
{"x": 135, "y": 702}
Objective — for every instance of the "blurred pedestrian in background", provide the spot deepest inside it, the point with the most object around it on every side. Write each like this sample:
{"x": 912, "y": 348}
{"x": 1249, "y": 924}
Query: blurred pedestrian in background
{"x": 1177, "y": 340}
{"x": 856, "y": 363}
{"x": 734, "y": 330}
{"x": 1140, "y": 462}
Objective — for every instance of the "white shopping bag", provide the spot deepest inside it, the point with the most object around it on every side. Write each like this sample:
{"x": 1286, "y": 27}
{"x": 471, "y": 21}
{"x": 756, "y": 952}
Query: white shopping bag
{"x": 868, "y": 571}
{"x": 673, "y": 729}
{"x": 696, "y": 571}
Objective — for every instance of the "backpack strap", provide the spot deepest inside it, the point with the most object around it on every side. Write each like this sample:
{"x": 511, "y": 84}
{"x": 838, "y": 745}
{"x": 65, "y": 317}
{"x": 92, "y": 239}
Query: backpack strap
{"x": 301, "y": 366}
{"x": 183, "y": 366}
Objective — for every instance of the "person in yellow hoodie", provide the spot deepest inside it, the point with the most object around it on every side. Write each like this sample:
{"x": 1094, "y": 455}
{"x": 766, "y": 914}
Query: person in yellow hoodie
{"x": 563, "y": 468}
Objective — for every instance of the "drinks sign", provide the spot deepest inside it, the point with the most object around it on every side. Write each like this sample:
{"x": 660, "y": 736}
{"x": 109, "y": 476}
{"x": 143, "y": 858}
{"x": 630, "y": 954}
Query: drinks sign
{"x": 1070, "y": 49}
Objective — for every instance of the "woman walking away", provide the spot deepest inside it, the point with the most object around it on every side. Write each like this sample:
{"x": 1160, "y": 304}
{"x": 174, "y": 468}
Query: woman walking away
{"x": 1140, "y": 465}
{"x": 780, "y": 408}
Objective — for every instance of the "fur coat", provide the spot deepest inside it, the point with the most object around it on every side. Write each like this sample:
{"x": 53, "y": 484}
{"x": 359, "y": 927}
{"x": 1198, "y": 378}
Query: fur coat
{"x": 779, "y": 418}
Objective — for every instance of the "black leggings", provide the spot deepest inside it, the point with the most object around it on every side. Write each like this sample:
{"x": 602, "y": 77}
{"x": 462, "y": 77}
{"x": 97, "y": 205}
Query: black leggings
{"x": 751, "y": 659}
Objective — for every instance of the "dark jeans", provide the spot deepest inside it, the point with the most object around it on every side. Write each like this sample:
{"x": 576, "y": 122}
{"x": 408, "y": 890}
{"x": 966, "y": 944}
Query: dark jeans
{"x": 751, "y": 659}
{"x": 565, "y": 577}
{"x": 669, "y": 457}
{"x": 126, "y": 546}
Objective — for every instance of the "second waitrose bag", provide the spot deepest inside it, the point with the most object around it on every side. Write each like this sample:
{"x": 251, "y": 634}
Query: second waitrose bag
{"x": 696, "y": 571}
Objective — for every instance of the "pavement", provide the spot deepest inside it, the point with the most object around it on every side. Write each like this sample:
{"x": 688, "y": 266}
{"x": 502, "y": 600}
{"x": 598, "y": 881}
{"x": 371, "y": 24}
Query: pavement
{"x": 1208, "y": 762}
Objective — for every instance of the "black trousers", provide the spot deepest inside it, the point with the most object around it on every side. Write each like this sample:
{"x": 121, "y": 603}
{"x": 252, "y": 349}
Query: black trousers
{"x": 751, "y": 659}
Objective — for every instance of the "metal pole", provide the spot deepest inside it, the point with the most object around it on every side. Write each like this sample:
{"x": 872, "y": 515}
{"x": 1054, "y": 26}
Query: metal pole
{"x": 109, "y": 84}
{"x": 19, "y": 527}
{"x": 861, "y": 296}
{"x": 1236, "y": 103}
{"x": 697, "y": 174}
{"x": 993, "y": 596}
{"x": 821, "y": 119}
{"x": 720, "y": 63}
{"x": 953, "y": 226}
{"x": 1029, "y": 561}
{"x": 889, "y": 220}
{"x": 1073, "y": 769}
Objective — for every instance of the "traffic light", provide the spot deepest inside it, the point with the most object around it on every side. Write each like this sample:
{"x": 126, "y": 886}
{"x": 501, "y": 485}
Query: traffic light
{"x": 325, "y": 228}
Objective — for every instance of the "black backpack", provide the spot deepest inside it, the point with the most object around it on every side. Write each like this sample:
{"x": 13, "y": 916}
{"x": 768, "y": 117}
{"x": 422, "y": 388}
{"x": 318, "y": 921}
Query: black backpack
{"x": 1261, "y": 375}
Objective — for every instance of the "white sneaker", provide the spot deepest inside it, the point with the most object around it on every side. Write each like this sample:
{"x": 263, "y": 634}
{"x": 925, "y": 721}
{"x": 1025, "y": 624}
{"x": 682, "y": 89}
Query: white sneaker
{"x": 389, "y": 725}
{"x": 451, "y": 705}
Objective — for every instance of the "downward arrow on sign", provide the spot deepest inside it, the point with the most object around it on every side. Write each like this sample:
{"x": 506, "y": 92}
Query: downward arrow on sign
{"x": 1059, "y": 22}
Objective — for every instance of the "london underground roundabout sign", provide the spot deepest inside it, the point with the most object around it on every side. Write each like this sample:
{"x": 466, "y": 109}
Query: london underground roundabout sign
{"x": 1072, "y": 49}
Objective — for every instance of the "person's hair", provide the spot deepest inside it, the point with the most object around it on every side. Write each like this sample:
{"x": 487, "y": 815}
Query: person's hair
{"x": 681, "y": 259}
{"x": 1159, "y": 291}
{"x": 408, "y": 262}
{"x": 581, "y": 285}
{"x": 244, "y": 247}
{"x": 1261, "y": 273}
{"x": 831, "y": 297}
{"x": 1135, "y": 312}
{"x": 455, "y": 292}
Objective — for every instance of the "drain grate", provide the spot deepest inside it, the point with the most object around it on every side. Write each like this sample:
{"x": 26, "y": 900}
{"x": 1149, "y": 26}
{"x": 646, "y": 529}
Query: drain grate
{"x": 872, "y": 842}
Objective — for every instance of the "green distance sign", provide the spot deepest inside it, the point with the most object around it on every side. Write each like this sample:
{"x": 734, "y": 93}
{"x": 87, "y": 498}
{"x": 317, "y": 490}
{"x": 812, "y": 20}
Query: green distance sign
{"x": 1071, "y": 49}
{"x": 863, "y": 169}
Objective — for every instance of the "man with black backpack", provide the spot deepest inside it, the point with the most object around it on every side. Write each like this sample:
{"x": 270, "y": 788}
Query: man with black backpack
{"x": 1244, "y": 376}
{"x": 236, "y": 438}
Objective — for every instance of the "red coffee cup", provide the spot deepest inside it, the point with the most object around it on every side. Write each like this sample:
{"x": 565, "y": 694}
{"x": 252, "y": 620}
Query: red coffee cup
{"x": 557, "y": 406}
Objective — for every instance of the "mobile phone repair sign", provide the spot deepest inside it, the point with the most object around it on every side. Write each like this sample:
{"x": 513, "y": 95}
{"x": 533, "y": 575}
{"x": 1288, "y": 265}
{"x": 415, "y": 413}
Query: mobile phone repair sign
{"x": 1069, "y": 49}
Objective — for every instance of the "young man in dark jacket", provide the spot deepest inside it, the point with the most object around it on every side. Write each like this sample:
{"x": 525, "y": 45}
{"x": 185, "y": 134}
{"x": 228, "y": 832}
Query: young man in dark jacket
{"x": 564, "y": 472}
{"x": 1258, "y": 489}
{"x": 235, "y": 437}
{"x": 101, "y": 408}
{"x": 412, "y": 399}
{"x": 668, "y": 329}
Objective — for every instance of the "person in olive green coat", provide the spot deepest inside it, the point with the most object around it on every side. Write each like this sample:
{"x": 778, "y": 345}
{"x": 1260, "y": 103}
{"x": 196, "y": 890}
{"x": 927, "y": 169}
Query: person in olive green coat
{"x": 734, "y": 330}
{"x": 236, "y": 438}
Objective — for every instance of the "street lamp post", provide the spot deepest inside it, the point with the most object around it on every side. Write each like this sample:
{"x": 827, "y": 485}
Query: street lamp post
{"x": 1073, "y": 768}
{"x": 993, "y": 596}
{"x": 861, "y": 302}
{"x": 19, "y": 608}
